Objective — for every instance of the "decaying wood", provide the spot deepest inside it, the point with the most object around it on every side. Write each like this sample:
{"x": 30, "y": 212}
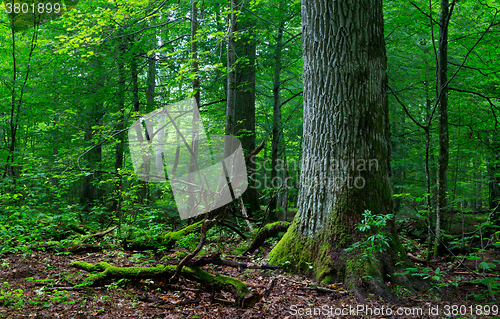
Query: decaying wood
{"x": 167, "y": 240}
{"x": 77, "y": 249}
{"x": 77, "y": 229}
{"x": 269, "y": 288}
{"x": 339, "y": 289}
{"x": 416, "y": 259}
{"x": 232, "y": 227}
{"x": 242, "y": 295}
{"x": 423, "y": 261}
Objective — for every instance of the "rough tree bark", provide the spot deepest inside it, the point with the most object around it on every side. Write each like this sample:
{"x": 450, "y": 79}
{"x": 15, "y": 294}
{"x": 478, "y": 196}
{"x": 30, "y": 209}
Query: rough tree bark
{"x": 346, "y": 148}
{"x": 276, "y": 115}
{"x": 442, "y": 167}
{"x": 240, "y": 105}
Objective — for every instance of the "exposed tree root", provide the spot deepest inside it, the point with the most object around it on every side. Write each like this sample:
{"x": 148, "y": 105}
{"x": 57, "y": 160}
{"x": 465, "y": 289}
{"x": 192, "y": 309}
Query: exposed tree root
{"x": 167, "y": 240}
{"x": 242, "y": 295}
{"x": 268, "y": 231}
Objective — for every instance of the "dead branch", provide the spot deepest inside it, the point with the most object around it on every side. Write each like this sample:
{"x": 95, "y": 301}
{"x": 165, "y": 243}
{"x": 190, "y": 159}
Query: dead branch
{"x": 244, "y": 213}
{"x": 207, "y": 224}
{"x": 216, "y": 260}
{"x": 100, "y": 234}
{"x": 255, "y": 151}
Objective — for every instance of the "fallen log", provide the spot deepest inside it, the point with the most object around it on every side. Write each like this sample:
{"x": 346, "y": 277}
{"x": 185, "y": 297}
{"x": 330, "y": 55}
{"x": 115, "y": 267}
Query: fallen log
{"x": 242, "y": 295}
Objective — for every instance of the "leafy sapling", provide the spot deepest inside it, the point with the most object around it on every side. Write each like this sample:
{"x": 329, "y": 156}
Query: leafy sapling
{"x": 377, "y": 242}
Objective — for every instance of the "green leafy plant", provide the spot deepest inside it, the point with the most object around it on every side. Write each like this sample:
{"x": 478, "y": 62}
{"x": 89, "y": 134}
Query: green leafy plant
{"x": 115, "y": 284}
{"x": 61, "y": 297}
{"x": 377, "y": 242}
{"x": 491, "y": 283}
{"x": 11, "y": 297}
{"x": 189, "y": 241}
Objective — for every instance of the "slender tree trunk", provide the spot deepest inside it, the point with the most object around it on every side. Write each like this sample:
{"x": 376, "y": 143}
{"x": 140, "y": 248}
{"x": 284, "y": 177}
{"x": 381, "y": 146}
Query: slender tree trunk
{"x": 275, "y": 181}
{"x": 120, "y": 145}
{"x": 16, "y": 100}
{"x": 346, "y": 147}
{"x": 121, "y": 106}
{"x": 428, "y": 179}
{"x": 14, "y": 113}
{"x": 283, "y": 194}
{"x": 196, "y": 104}
{"x": 135, "y": 84}
{"x": 494, "y": 172}
{"x": 150, "y": 92}
{"x": 240, "y": 105}
{"x": 94, "y": 115}
{"x": 136, "y": 103}
{"x": 442, "y": 169}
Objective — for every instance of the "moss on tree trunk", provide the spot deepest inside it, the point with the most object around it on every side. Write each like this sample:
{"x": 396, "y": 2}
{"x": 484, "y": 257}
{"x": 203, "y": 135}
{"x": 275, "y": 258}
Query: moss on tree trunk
{"x": 324, "y": 258}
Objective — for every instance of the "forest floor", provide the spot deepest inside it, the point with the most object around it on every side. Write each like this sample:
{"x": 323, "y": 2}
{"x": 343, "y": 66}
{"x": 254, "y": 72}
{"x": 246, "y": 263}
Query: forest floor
{"x": 47, "y": 280}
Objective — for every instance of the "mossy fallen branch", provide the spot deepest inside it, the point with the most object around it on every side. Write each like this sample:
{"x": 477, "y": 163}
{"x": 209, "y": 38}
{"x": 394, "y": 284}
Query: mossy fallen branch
{"x": 167, "y": 240}
{"x": 242, "y": 295}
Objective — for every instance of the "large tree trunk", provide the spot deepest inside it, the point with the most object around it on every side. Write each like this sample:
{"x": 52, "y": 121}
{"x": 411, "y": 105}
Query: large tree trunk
{"x": 442, "y": 170}
{"x": 240, "y": 105}
{"x": 346, "y": 146}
